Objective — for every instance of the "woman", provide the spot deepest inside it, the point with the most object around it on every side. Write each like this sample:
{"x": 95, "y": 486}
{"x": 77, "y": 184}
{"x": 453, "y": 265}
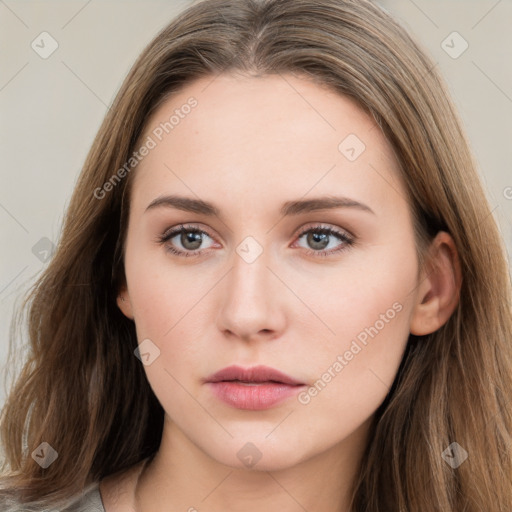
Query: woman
{"x": 278, "y": 285}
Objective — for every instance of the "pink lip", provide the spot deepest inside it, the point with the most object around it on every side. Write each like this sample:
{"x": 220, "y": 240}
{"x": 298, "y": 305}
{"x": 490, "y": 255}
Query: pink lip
{"x": 256, "y": 388}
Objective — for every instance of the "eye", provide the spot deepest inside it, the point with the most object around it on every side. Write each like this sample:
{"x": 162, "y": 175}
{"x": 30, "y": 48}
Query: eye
{"x": 188, "y": 239}
{"x": 318, "y": 238}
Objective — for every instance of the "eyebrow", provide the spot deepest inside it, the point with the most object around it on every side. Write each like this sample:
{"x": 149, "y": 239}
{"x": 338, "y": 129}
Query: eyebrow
{"x": 296, "y": 207}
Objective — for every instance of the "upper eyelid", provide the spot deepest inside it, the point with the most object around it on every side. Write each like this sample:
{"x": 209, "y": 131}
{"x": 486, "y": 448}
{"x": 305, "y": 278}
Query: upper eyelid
{"x": 321, "y": 226}
{"x": 183, "y": 227}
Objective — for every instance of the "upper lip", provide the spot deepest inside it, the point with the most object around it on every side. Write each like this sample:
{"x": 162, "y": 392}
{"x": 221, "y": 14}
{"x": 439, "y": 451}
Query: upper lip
{"x": 253, "y": 374}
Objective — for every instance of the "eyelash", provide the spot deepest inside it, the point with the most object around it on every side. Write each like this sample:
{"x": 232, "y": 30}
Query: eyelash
{"x": 168, "y": 235}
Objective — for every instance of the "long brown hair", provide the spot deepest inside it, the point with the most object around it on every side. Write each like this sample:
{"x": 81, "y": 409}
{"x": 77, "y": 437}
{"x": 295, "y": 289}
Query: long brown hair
{"x": 83, "y": 391}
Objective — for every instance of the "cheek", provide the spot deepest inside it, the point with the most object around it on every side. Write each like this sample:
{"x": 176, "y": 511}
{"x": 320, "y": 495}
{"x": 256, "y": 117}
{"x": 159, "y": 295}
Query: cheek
{"x": 170, "y": 308}
{"x": 162, "y": 294}
{"x": 166, "y": 305}
{"x": 368, "y": 307}
{"x": 371, "y": 287}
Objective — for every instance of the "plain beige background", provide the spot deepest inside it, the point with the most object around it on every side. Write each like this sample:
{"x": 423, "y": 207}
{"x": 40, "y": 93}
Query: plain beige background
{"x": 51, "y": 107}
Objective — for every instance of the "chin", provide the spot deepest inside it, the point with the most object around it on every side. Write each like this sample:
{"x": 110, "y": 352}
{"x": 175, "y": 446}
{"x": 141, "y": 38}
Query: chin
{"x": 256, "y": 453}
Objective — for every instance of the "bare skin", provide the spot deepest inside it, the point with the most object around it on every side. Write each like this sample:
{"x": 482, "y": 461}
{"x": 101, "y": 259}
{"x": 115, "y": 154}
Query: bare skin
{"x": 249, "y": 146}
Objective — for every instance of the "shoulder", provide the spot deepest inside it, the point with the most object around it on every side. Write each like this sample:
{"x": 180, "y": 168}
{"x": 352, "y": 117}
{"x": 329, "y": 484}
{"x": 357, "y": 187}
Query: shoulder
{"x": 114, "y": 493}
{"x": 87, "y": 501}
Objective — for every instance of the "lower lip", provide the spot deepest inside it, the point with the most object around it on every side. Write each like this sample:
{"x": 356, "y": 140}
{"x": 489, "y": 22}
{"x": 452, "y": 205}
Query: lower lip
{"x": 253, "y": 397}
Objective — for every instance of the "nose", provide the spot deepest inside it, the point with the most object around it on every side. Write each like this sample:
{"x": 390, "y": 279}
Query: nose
{"x": 252, "y": 301}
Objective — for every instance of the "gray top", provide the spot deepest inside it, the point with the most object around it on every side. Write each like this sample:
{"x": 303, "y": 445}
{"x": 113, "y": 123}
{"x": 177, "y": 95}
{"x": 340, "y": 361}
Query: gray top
{"x": 87, "y": 501}
{"x": 90, "y": 501}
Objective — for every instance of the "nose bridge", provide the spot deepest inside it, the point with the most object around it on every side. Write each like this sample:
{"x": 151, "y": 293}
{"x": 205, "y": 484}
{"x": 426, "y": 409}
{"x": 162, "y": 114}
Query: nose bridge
{"x": 250, "y": 272}
{"x": 250, "y": 302}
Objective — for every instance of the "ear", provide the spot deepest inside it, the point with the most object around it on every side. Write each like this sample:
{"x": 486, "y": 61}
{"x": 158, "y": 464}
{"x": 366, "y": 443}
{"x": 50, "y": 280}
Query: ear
{"x": 123, "y": 302}
{"x": 439, "y": 288}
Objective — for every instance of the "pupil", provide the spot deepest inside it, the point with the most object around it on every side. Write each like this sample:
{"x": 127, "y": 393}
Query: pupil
{"x": 191, "y": 237}
{"x": 318, "y": 240}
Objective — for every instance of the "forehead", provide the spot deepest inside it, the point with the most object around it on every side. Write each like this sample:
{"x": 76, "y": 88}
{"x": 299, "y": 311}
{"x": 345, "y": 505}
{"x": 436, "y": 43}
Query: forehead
{"x": 263, "y": 134}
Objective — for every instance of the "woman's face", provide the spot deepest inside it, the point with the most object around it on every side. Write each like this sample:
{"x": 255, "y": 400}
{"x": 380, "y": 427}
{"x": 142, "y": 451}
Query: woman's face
{"x": 307, "y": 265}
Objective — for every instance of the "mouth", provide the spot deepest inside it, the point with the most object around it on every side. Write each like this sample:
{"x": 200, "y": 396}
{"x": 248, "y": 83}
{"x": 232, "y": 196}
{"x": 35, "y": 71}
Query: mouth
{"x": 256, "y": 388}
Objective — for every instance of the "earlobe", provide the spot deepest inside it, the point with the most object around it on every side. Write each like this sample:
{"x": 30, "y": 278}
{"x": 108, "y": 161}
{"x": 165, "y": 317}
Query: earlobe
{"x": 124, "y": 304}
{"x": 439, "y": 288}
